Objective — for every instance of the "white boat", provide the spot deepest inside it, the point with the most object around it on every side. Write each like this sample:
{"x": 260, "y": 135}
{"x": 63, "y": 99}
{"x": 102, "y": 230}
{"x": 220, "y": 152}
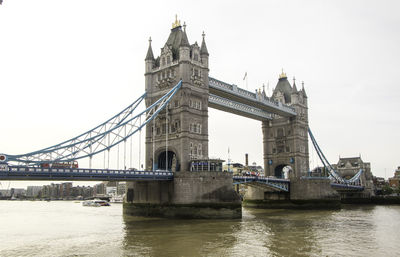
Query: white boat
{"x": 95, "y": 203}
{"x": 117, "y": 199}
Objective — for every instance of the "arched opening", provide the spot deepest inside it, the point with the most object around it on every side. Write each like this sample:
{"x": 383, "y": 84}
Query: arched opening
{"x": 282, "y": 171}
{"x": 169, "y": 159}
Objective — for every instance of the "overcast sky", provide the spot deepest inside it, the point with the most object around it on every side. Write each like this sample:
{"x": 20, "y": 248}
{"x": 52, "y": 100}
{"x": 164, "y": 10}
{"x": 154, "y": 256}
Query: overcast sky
{"x": 67, "y": 66}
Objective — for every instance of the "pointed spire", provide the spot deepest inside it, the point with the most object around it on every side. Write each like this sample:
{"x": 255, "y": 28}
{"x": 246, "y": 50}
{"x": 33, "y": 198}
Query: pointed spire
{"x": 184, "y": 40}
{"x": 294, "y": 85}
{"x": 263, "y": 92}
{"x": 203, "y": 49}
{"x": 149, "y": 55}
{"x": 302, "y": 89}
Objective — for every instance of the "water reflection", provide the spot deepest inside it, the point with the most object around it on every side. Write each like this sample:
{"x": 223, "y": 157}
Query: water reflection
{"x": 259, "y": 233}
{"x": 67, "y": 229}
{"x": 165, "y": 237}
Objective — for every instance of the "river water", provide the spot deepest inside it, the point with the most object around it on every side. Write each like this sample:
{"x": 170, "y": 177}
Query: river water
{"x": 63, "y": 228}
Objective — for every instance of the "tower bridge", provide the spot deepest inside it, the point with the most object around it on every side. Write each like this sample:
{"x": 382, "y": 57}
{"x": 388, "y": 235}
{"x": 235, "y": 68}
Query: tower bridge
{"x": 178, "y": 93}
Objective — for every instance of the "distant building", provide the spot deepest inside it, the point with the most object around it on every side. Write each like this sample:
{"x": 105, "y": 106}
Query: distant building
{"x": 111, "y": 190}
{"x": 256, "y": 168}
{"x": 348, "y": 167}
{"x": 82, "y": 192}
{"x": 18, "y": 192}
{"x": 395, "y": 181}
{"x": 235, "y": 168}
{"x": 99, "y": 189}
{"x": 121, "y": 188}
{"x": 51, "y": 191}
{"x": 33, "y": 191}
{"x": 65, "y": 190}
{"x": 5, "y": 193}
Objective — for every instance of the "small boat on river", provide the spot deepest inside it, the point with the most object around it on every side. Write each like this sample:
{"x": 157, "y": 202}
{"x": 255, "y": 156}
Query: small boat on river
{"x": 95, "y": 203}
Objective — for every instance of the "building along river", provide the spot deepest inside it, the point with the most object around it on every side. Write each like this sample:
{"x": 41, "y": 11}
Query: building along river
{"x": 66, "y": 228}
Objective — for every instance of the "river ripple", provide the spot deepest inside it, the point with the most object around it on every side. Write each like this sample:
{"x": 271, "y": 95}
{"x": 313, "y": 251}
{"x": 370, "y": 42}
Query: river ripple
{"x": 61, "y": 228}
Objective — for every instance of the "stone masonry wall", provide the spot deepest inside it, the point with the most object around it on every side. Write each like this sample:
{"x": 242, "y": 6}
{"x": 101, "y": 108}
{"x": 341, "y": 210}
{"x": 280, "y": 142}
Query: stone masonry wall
{"x": 204, "y": 187}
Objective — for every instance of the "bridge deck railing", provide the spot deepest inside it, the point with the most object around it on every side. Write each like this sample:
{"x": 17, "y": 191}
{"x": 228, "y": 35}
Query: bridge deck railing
{"x": 21, "y": 172}
{"x": 233, "y": 89}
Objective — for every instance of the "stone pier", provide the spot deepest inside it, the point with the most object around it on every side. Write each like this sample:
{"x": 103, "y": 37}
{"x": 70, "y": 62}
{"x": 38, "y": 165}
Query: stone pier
{"x": 205, "y": 195}
{"x": 304, "y": 193}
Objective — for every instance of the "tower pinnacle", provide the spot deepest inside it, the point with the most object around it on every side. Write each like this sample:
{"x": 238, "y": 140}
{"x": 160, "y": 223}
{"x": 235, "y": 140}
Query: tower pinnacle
{"x": 149, "y": 55}
{"x": 176, "y": 23}
{"x": 282, "y": 75}
{"x": 203, "y": 48}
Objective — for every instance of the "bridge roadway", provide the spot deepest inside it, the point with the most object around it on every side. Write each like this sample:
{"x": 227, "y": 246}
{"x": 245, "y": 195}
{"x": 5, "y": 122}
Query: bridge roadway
{"x": 83, "y": 174}
{"x": 230, "y": 98}
{"x": 38, "y": 173}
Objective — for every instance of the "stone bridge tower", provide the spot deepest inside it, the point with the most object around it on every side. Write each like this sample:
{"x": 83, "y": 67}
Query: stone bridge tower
{"x": 185, "y": 123}
{"x": 286, "y": 139}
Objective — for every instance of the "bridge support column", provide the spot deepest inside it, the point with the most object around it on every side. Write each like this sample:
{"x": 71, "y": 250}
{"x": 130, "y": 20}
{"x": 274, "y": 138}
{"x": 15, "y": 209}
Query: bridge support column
{"x": 189, "y": 195}
{"x": 316, "y": 193}
{"x": 313, "y": 193}
{"x": 266, "y": 132}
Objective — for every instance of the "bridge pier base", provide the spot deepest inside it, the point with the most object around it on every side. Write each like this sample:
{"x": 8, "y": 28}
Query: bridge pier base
{"x": 304, "y": 194}
{"x": 206, "y": 195}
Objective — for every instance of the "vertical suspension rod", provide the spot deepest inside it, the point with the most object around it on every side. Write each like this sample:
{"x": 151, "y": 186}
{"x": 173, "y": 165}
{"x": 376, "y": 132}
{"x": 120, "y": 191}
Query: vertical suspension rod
{"x": 154, "y": 143}
{"x": 125, "y": 150}
{"x": 166, "y": 137}
{"x": 140, "y": 142}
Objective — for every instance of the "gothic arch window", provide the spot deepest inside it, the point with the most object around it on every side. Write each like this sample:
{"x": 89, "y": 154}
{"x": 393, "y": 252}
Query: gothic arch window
{"x": 168, "y": 59}
{"x": 196, "y": 57}
{"x": 200, "y": 151}
{"x": 163, "y": 61}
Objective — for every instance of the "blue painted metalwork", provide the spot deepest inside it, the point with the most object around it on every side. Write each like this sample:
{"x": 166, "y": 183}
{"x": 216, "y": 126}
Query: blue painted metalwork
{"x": 103, "y": 137}
{"x": 221, "y": 88}
{"x": 333, "y": 174}
{"x": 226, "y": 104}
{"x": 347, "y": 187}
{"x": 70, "y": 174}
{"x": 274, "y": 183}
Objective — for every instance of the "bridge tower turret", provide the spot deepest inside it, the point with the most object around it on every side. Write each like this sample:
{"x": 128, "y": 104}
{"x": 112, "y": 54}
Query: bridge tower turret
{"x": 185, "y": 123}
{"x": 286, "y": 139}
